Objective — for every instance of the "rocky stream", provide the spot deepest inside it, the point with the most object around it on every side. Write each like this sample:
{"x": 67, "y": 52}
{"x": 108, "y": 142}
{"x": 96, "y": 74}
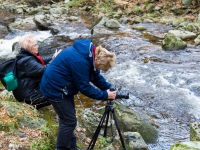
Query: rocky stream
{"x": 163, "y": 86}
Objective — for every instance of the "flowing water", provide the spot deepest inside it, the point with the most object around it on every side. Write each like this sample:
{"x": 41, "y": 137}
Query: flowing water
{"x": 164, "y": 86}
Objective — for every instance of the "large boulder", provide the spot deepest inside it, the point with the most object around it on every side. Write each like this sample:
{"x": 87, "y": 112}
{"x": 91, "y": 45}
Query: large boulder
{"x": 127, "y": 120}
{"x": 24, "y": 114}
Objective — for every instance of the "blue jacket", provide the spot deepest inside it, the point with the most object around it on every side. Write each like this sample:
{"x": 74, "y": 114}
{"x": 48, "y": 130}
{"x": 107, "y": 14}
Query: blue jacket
{"x": 73, "y": 71}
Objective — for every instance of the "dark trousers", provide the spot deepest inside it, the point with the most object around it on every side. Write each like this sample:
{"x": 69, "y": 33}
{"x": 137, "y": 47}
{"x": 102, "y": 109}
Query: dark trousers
{"x": 65, "y": 109}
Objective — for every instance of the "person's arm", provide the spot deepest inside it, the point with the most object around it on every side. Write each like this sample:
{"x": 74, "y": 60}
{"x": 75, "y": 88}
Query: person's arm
{"x": 80, "y": 74}
{"x": 99, "y": 81}
{"x": 33, "y": 68}
{"x": 46, "y": 59}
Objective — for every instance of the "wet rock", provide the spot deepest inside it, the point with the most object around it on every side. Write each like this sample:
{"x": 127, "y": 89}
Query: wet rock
{"x": 197, "y": 40}
{"x": 186, "y": 146}
{"x": 23, "y": 24}
{"x": 195, "y": 131}
{"x": 135, "y": 141}
{"x": 140, "y": 28}
{"x": 41, "y": 22}
{"x": 112, "y": 23}
{"x": 173, "y": 43}
{"x": 127, "y": 119}
{"x": 52, "y": 43}
{"x": 100, "y": 22}
{"x": 147, "y": 21}
{"x": 3, "y": 31}
{"x": 182, "y": 34}
{"x": 57, "y": 10}
{"x": 73, "y": 18}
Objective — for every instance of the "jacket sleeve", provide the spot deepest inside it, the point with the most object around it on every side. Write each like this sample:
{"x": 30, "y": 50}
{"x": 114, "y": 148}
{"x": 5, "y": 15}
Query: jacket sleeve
{"x": 80, "y": 74}
{"x": 99, "y": 81}
{"x": 33, "y": 68}
{"x": 47, "y": 59}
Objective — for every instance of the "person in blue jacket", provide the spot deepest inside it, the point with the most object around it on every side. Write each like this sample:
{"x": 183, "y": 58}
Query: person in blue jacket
{"x": 73, "y": 70}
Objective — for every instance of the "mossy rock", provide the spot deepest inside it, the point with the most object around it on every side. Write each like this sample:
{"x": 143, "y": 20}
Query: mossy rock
{"x": 193, "y": 27}
{"x": 130, "y": 121}
{"x": 195, "y": 131}
{"x": 186, "y": 146}
{"x": 172, "y": 43}
{"x": 26, "y": 115}
{"x": 126, "y": 118}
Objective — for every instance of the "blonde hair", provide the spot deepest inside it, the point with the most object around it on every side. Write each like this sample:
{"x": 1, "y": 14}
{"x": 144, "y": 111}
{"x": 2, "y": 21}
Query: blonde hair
{"x": 26, "y": 41}
{"x": 104, "y": 58}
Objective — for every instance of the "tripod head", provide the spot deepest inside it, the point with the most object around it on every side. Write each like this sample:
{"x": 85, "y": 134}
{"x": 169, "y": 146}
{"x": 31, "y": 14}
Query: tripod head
{"x": 120, "y": 95}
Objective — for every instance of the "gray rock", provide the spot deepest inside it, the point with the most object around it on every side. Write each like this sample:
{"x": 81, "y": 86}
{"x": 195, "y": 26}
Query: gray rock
{"x": 182, "y": 34}
{"x": 135, "y": 141}
{"x": 197, "y": 40}
{"x": 112, "y": 23}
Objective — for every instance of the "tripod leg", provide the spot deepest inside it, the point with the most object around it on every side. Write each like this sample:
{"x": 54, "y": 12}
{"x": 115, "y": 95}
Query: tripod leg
{"x": 118, "y": 129}
{"x": 95, "y": 136}
{"x": 105, "y": 130}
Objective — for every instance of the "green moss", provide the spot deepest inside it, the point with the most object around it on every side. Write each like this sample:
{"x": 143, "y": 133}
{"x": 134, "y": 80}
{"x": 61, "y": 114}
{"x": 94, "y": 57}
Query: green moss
{"x": 137, "y": 10}
{"x": 105, "y": 7}
{"x": 1, "y": 86}
{"x": 181, "y": 146}
{"x": 74, "y": 3}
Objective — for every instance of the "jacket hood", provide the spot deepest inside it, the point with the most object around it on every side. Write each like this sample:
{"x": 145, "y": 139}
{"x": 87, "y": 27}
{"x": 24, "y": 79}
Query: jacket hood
{"x": 84, "y": 47}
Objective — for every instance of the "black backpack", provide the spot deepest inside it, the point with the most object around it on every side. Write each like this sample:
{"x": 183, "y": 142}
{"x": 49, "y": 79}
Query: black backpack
{"x": 8, "y": 74}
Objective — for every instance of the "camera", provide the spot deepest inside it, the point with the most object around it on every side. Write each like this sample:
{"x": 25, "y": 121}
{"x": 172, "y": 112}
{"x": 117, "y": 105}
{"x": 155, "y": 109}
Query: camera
{"x": 120, "y": 95}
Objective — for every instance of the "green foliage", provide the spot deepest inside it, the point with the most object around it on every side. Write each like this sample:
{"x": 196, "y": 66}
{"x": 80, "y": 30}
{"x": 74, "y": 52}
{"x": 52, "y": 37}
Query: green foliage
{"x": 137, "y": 10}
{"x": 153, "y": 15}
{"x": 105, "y": 7}
{"x": 42, "y": 144}
{"x": 102, "y": 142}
{"x": 9, "y": 126}
{"x": 74, "y": 3}
{"x": 45, "y": 143}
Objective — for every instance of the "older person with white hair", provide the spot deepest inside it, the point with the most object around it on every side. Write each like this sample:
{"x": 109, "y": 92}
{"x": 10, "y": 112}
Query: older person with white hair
{"x": 70, "y": 72}
{"x": 30, "y": 68}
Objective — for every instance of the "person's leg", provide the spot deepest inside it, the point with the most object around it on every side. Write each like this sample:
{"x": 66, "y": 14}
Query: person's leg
{"x": 65, "y": 109}
{"x": 37, "y": 99}
{"x": 42, "y": 102}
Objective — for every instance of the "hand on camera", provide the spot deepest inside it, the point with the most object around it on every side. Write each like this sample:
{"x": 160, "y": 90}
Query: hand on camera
{"x": 111, "y": 94}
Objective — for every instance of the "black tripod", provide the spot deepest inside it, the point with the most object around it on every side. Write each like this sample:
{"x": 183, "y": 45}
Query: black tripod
{"x": 108, "y": 109}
